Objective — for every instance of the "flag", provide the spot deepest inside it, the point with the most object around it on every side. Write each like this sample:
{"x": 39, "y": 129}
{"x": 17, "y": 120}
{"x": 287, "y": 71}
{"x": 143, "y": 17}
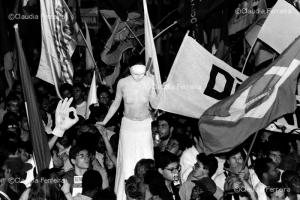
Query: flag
{"x": 89, "y": 64}
{"x": 281, "y": 27}
{"x": 262, "y": 98}
{"x": 246, "y": 13}
{"x": 59, "y": 39}
{"x": 38, "y": 137}
{"x": 261, "y": 52}
{"x": 197, "y": 80}
{"x": 92, "y": 97}
{"x": 150, "y": 51}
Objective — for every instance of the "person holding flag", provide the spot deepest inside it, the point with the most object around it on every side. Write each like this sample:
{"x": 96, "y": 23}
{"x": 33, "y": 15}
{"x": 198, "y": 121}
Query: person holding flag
{"x": 135, "y": 143}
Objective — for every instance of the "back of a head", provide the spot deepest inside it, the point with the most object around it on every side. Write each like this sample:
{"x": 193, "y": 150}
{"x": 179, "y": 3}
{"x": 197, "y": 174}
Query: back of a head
{"x": 209, "y": 162}
{"x": 133, "y": 188}
{"x": 156, "y": 184}
{"x": 91, "y": 181}
{"x": 142, "y": 166}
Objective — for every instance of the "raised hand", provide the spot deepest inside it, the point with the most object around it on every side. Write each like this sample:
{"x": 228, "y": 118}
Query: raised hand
{"x": 62, "y": 117}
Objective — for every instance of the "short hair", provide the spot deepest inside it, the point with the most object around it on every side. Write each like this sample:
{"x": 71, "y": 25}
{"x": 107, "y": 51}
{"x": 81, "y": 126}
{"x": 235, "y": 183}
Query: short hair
{"x": 156, "y": 183}
{"x": 167, "y": 118}
{"x": 261, "y": 166}
{"x": 209, "y": 162}
{"x": 12, "y": 96}
{"x": 80, "y": 86}
{"x": 91, "y": 180}
{"x": 181, "y": 141}
{"x": 103, "y": 88}
{"x": 232, "y": 153}
{"x": 75, "y": 150}
{"x": 142, "y": 166}
{"x": 133, "y": 187}
{"x": 163, "y": 159}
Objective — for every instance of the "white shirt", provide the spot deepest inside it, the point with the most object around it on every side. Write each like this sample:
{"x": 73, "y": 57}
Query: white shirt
{"x": 260, "y": 190}
{"x": 220, "y": 179}
{"x": 187, "y": 161}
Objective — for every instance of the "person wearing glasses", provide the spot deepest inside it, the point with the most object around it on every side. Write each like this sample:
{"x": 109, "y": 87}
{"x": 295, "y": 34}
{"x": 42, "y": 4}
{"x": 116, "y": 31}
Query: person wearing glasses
{"x": 168, "y": 166}
{"x": 80, "y": 159}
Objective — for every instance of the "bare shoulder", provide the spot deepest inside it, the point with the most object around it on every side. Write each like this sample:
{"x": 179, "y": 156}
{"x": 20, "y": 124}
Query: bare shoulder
{"x": 149, "y": 80}
{"x": 122, "y": 81}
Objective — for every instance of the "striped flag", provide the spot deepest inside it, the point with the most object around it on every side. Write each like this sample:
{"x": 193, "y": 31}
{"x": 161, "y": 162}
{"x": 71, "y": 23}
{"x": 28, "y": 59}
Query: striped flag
{"x": 39, "y": 140}
{"x": 92, "y": 97}
{"x": 150, "y": 51}
{"x": 262, "y": 98}
{"x": 59, "y": 40}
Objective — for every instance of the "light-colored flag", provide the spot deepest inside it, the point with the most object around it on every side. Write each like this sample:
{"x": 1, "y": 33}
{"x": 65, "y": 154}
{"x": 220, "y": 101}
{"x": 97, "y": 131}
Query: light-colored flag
{"x": 150, "y": 51}
{"x": 92, "y": 97}
{"x": 281, "y": 27}
{"x": 261, "y": 51}
{"x": 197, "y": 80}
{"x": 261, "y": 99}
{"x": 89, "y": 64}
{"x": 59, "y": 39}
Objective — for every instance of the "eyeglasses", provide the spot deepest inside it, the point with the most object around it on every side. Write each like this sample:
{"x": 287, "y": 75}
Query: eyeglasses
{"x": 81, "y": 156}
{"x": 174, "y": 169}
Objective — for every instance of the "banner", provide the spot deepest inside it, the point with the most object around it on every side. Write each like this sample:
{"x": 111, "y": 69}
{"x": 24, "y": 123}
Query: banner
{"x": 59, "y": 39}
{"x": 281, "y": 27}
{"x": 39, "y": 140}
{"x": 261, "y": 99}
{"x": 150, "y": 51}
{"x": 197, "y": 80}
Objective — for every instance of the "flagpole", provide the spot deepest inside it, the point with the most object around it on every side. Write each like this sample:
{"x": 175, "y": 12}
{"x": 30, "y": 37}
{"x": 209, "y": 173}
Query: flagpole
{"x": 89, "y": 50}
{"x": 165, "y": 17}
{"x": 134, "y": 34}
{"x": 160, "y": 33}
{"x": 248, "y": 56}
{"x": 249, "y": 150}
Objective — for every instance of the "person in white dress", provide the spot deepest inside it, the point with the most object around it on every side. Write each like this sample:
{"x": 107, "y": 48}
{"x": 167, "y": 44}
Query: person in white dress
{"x": 135, "y": 143}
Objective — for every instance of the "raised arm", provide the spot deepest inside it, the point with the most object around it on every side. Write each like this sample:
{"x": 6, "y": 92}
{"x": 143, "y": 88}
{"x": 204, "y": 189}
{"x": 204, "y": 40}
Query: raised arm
{"x": 62, "y": 120}
{"x": 115, "y": 105}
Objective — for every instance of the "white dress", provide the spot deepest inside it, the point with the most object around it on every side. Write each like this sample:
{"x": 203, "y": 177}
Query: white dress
{"x": 135, "y": 143}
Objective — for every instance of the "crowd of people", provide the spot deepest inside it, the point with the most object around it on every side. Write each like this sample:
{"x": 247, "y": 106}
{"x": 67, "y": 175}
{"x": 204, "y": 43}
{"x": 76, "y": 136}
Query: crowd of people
{"x": 127, "y": 150}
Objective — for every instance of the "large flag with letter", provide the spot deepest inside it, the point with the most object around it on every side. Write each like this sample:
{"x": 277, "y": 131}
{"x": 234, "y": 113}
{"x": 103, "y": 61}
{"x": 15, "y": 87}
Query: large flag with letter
{"x": 281, "y": 27}
{"x": 150, "y": 51}
{"x": 39, "y": 140}
{"x": 59, "y": 39}
{"x": 197, "y": 80}
{"x": 262, "y": 98}
{"x": 92, "y": 97}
